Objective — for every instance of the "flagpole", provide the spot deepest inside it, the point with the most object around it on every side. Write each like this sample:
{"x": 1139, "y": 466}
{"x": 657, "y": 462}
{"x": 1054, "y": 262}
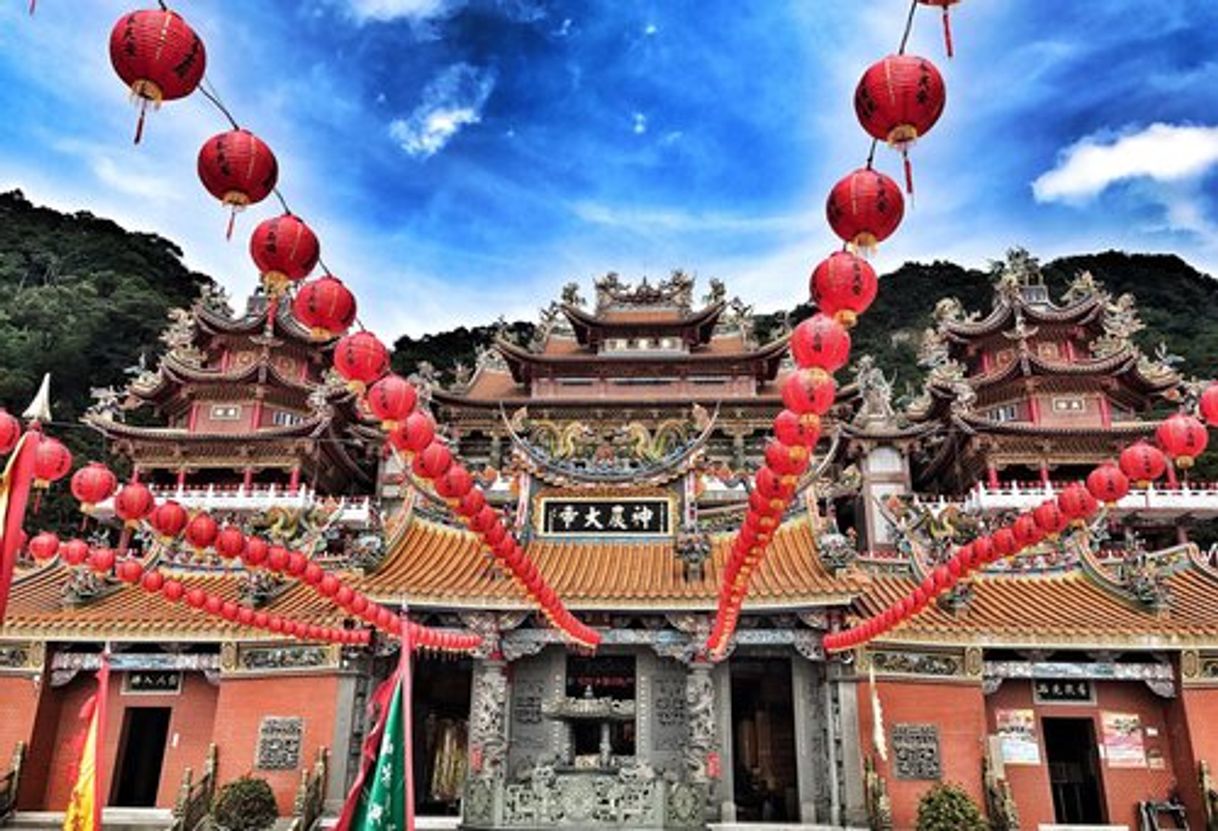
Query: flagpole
{"x": 99, "y": 739}
{"x": 407, "y": 716}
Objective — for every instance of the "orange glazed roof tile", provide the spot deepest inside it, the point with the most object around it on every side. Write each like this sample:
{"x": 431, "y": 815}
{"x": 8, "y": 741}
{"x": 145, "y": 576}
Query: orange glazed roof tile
{"x": 37, "y": 610}
{"x": 435, "y": 565}
{"x": 1060, "y": 609}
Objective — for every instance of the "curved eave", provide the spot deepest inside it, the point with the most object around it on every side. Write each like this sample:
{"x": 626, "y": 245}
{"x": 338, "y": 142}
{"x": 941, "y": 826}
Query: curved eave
{"x": 309, "y": 428}
{"x": 252, "y": 324}
{"x": 703, "y": 321}
{"x": 1003, "y": 314}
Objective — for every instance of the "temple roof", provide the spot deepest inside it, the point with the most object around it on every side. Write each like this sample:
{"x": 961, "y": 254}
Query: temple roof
{"x": 436, "y": 565}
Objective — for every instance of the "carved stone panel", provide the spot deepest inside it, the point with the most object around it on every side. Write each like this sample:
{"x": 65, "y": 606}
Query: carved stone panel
{"x": 668, "y": 723}
{"x": 279, "y": 741}
{"x": 915, "y": 751}
{"x": 530, "y": 731}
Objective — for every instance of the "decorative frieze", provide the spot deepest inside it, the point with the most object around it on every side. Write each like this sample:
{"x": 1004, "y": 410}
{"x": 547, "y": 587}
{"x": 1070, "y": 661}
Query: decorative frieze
{"x": 22, "y": 656}
{"x": 240, "y": 658}
{"x": 1156, "y": 675}
{"x": 920, "y": 662}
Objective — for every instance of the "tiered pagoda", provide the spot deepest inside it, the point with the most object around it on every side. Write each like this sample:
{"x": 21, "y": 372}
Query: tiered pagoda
{"x": 247, "y": 413}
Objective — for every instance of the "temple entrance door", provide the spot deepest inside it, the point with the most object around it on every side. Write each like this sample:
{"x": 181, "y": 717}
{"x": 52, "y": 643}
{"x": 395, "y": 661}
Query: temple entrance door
{"x": 141, "y": 750}
{"x": 763, "y": 741}
{"x": 441, "y": 720}
{"x": 1074, "y": 771}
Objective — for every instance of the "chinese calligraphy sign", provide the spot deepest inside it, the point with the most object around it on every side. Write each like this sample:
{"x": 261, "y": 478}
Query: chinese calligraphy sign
{"x": 629, "y": 517}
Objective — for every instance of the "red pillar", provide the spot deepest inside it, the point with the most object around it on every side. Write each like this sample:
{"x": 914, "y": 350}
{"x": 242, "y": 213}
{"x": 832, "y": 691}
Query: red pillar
{"x": 294, "y": 482}
{"x": 181, "y": 478}
{"x": 247, "y": 481}
{"x": 992, "y": 476}
{"x": 1105, "y": 412}
{"x": 1044, "y": 473}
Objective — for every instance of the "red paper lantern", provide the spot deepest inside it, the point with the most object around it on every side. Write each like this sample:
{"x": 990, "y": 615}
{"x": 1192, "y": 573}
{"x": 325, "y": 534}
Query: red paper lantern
{"x": 296, "y": 564}
{"x": 196, "y": 598}
{"x": 820, "y": 342}
{"x": 415, "y": 433}
{"x": 794, "y": 429}
{"x": 433, "y": 461}
{"x": 325, "y": 306}
{"x": 947, "y": 20}
{"x": 786, "y": 460}
{"x": 344, "y": 597}
{"x": 153, "y": 581}
{"x": 1049, "y": 518}
{"x": 157, "y": 56}
{"x": 102, "y": 560}
{"x": 312, "y": 574}
{"x": 772, "y": 486}
{"x": 328, "y": 585}
{"x": 256, "y": 551}
{"x": 230, "y": 542}
{"x": 129, "y": 571}
{"x": 1026, "y": 531}
{"x": 471, "y": 503}
{"x": 1076, "y": 502}
{"x": 10, "y": 431}
{"x": 262, "y": 620}
{"x": 168, "y": 519}
{"x": 75, "y": 552}
{"x": 1183, "y": 438}
{"x": 285, "y": 251}
{"x": 455, "y": 483}
{"x": 201, "y": 531}
{"x": 1143, "y": 463}
{"x": 1005, "y": 543}
{"x": 1208, "y": 405}
{"x": 91, "y": 484}
{"x": 245, "y": 615}
{"x": 843, "y": 285}
{"x": 1108, "y": 484}
{"x": 274, "y": 623}
{"x": 899, "y": 99}
{"x": 237, "y": 168}
{"x": 392, "y": 399}
{"x": 52, "y": 461}
{"x": 213, "y": 604}
{"x": 359, "y": 604}
{"x": 484, "y": 520}
{"x": 864, "y": 208}
{"x": 43, "y": 546}
{"x": 809, "y": 392}
{"x": 360, "y": 358}
{"x": 133, "y": 502}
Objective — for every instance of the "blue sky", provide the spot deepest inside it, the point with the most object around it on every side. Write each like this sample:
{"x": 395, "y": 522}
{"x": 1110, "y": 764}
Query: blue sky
{"x": 463, "y": 158}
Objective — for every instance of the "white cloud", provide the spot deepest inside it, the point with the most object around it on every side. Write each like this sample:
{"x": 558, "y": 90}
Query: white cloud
{"x": 412, "y": 10}
{"x": 453, "y": 99}
{"x": 1164, "y": 153}
{"x": 640, "y": 124}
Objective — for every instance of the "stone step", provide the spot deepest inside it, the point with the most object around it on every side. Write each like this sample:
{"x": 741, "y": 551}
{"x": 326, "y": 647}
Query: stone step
{"x": 114, "y": 819}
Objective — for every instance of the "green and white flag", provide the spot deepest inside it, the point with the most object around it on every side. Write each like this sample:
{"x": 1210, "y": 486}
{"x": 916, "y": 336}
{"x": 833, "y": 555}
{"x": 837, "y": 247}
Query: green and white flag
{"x": 378, "y": 803}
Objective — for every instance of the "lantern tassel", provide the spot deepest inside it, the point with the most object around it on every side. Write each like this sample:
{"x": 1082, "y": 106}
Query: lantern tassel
{"x": 908, "y": 172}
{"x": 33, "y": 4}
{"x": 124, "y": 540}
{"x": 232, "y": 218}
{"x": 139, "y": 122}
{"x": 947, "y": 32}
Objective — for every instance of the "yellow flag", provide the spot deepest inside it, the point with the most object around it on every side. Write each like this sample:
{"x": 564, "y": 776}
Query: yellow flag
{"x": 80, "y": 814}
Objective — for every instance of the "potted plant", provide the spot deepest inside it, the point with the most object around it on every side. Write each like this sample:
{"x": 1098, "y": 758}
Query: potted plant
{"x": 949, "y": 808}
{"x": 245, "y": 804}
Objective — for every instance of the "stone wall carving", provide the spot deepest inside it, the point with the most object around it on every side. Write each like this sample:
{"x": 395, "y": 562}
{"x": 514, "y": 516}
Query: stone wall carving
{"x": 700, "y": 713}
{"x": 913, "y": 662}
{"x": 915, "y": 752}
{"x": 531, "y": 733}
{"x": 279, "y": 743}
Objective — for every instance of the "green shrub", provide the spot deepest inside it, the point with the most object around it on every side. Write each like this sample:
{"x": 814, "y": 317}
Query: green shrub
{"x": 948, "y": 808}
{"x": 245, "y": 804}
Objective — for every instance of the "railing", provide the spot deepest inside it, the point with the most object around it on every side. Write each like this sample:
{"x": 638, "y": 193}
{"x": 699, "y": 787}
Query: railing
{"x": 353, "y": 510}
{"x": 1187, "y": 497}
{"x": 194, "y": 798}
{"x": 10, "y": 782}
{"x": 311, "y": 794}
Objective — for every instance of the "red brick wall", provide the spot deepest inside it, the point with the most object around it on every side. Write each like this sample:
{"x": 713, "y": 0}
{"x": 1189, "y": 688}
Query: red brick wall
{"x": 958, "y": 710}
{"x": 18, "y": 706}
{"x": 1122, "y": 787}
{"x": 190, "y": 723}
{"x": 242, "y": 705}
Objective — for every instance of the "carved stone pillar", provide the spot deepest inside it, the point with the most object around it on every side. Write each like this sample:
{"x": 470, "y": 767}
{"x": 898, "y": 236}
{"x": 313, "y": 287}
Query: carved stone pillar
{"x": 727, "y": 786}
{"x": 700, "y": 715}
{"x": 488, "y": 719}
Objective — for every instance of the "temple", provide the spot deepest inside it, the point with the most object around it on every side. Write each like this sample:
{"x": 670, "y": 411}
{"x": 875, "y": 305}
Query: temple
{"x": 1070, "y": 685}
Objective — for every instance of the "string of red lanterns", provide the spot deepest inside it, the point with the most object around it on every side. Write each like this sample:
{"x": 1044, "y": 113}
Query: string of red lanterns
{"x": 897, "y": 100}
{"x": 362, "y": 360}
{"x": 1181, "y": 436}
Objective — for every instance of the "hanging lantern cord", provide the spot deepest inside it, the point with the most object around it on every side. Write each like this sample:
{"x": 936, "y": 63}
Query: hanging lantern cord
{"x": 209, "y": 92}
{"x": 913, "y": 7}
